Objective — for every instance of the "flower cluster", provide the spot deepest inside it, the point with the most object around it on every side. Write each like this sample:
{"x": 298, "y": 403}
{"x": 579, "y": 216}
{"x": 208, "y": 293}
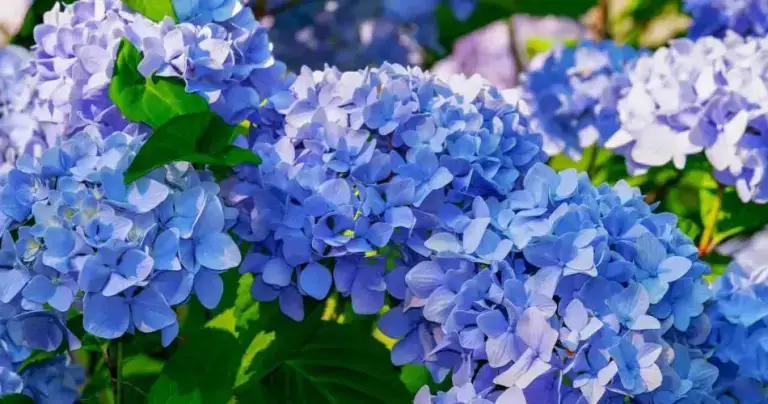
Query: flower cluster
{"x": 350, "y": 163}
{"x": 557, "y": 280}
{"x": 219, "y": 50}
{"x": 125, "y": 254}
{"x": 352, "y": 34}
{"x": 224, "y": 56}
{"x": 717, "y": 17}
{"x": 572, "y": 94}
{"x": 18, "y": 130}
{"x": 699, "y": 95}
{"x": 739, "y": 320}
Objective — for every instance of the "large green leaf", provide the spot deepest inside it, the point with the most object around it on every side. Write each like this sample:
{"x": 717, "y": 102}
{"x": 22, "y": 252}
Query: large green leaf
{"x": 16, "y": 399}
{"x": 154, "y": 100}
{"x": 339, "y": 364}
{"x": 155, "y": 10}
{"x": 201, "y": 371}
{"x": 196, "y": 138}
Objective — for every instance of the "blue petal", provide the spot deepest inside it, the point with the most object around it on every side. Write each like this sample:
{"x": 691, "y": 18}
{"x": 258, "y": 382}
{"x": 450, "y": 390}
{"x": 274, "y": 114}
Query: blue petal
{"x": 424, "y": 278}
{"x": 443, "y": 242}
{"x": 146, "y": 194}
{"x": 105, "y": 317}
{"x": 11, "y": 283}
{"x": 217, "y": 251}
{"x": 39, "y": 289}
{"x": 151, "y": 312}
{"x": 492, "y": 323}
{"x": 315, "y": 280}
{"x": 277, "y": 273}
{"x": 292, "y": 304}
{"x": 209, "y": 288}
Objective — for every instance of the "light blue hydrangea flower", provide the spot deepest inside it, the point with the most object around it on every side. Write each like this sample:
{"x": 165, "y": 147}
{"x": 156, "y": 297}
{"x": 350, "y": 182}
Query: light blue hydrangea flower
{"x": 572, "y": 93}
{"x": 352, "y": 161}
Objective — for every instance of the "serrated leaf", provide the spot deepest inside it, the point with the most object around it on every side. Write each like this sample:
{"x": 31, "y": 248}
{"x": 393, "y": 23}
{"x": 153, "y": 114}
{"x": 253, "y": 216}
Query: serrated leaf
{"x": 155, "y": 10}
{"x": 153, "y": 101}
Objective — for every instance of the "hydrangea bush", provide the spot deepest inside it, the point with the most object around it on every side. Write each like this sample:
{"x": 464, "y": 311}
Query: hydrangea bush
{"x": 185, "y": 219}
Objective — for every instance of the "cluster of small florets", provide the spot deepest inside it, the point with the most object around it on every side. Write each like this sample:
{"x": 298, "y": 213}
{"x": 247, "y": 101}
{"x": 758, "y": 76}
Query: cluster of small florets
{"x": 351, "y": 160}
{"x": 223, "y": 54}
{"x": 125, "y": 254}
{"x": 352, "y": 34}
{"x": 738, "y": 316}
{"x": 699, "y": 96}
{"x": 556, "y": 281}
{"x": 572, "y": 93}
{"x": 717, "y": 17}
{"x": 18, "y": 129}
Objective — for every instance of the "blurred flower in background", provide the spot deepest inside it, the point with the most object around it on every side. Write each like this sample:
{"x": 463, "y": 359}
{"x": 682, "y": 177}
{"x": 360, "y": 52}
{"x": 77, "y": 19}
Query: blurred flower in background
{"x": 490, "y": 52}
{"x": 353, "y": 34}
{"x": 12, "y": 15}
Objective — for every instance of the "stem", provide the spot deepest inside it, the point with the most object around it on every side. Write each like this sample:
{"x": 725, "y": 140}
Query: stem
{"x": 592, "y": 163}
{"x": 116, "y": 371}
{"x": 605, "y": 19}
{"x": 514, "y": 49}
{"x": 709, "y": 229}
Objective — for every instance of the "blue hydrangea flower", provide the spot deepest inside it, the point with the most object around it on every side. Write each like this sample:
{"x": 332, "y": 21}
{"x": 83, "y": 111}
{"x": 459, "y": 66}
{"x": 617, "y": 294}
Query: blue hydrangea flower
{"x": 717, "y": 17}
{"x": 572, "y": 94}
{"x": 353, "y": 34}
{"x": 351, "y": 163}
{"x": 695, "y": 96}
{"x": 124, "y": 253}
{"x": 220, "y": 51}
{"x": 19, "y": 132}
{"x": 536, "y": 314}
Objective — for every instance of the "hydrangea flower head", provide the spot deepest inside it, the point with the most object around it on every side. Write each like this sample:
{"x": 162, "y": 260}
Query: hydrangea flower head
{"x": 556, "y": 280}
{"x": 695, "y": 96}
{"x": 717, "y": 17}
{"x": 222, "y": 54}
{"x": 353, "y": 34}
{"x": 572, "y": 94}
{"x": 18, "y": 129}
{"x": 131, "y": 251}
{"x": 738, "y": 320}
{"x": 350, "y": 161}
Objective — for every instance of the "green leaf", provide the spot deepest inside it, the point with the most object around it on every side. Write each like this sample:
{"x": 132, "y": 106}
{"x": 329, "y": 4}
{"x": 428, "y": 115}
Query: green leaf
{"x": 201, "y": 371}
{"x": 414, "y": 377}
{"x": 174, "y": 141}
{"x": 155, "y": 10}
{"x": 233, "y": 155}
{"x": 154, "y": 101}
{"x": 734, "y": 217}
{"x": 16, "y": 399}
{"x": 340, "y": 364}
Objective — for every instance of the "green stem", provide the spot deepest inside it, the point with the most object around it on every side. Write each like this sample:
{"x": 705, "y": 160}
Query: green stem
{"x": 116, "y": 370}
{"x": 709, "y": 226}
{"x": 592, "y": 163}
